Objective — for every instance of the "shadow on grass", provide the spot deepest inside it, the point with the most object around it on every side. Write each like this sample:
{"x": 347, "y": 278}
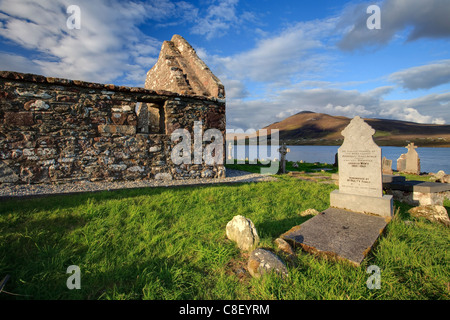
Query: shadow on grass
{"x": 50, "y": 202}
{"x": 36, "y": 255}
{"x": 274, "y": 228}
{"x": 154, "y": 278}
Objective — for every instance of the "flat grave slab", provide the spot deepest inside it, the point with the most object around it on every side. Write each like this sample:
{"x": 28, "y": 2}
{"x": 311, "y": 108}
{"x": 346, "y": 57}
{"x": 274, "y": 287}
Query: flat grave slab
{"x": 338, "y": 234}
{"x": 418, "y": 186}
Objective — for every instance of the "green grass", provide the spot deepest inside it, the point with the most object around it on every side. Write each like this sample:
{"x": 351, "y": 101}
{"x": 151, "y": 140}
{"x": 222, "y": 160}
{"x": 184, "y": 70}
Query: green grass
{"x": 380, "y": 133}
{"x": 416, "y": 177}
{"x": 160, "y": 243}
{"x": 306, "y": 167}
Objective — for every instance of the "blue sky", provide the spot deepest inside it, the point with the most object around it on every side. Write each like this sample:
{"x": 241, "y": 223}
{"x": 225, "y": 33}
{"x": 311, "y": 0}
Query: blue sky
{"x": 275, "y": 58}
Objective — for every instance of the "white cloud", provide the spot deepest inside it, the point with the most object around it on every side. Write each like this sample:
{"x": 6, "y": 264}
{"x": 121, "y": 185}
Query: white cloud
{"x": 431, "y": 108}
{"x": 295, "y": 53}
{"x": 11, "y": 62}
{"x": 219, "y": 17}
{"x": 349, "y": 110}
{"x": 235, "y": 89}
{"x": 279, "y": 59}
{"x": 108, "y": 46}
{"x": 421, "y": 19}
{"x": 407, "y": 114}
{"x": 423, "y": 77}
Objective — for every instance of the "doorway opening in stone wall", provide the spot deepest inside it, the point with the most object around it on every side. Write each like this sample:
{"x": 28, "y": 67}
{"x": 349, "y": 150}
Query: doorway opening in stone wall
{"x": 151, "y": 117}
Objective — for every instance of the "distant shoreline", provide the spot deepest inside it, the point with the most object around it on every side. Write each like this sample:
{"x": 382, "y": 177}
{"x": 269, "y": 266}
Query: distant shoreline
{"x": 327, "y": 143}
{"x": 382, "y": 143}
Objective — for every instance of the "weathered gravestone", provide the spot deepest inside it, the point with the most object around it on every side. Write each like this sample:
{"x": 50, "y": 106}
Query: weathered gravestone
{"x": 360, "y": 175}
{"x": 359, "y": 211}
{"x": 230, "y": 151}
{"x": 401, "y": 163}
{"x": 283, "y": 152}
{"x": 386, "y": 166}
{"x": 409, "y": 162}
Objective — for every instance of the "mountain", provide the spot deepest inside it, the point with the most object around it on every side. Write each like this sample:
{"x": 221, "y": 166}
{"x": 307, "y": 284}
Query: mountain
{"x": 310, "y": 128}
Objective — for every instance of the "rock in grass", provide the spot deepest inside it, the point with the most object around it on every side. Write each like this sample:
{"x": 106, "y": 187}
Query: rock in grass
{"x": 439, "y": 175}
{"x": 243, "y": 232}
{"x": 284, "y": 246}
{"x": 262, "y": 261}
{"x": 433, "y": 213}
{"x": 287, "y": 252}
{"x": 307, "y": 212}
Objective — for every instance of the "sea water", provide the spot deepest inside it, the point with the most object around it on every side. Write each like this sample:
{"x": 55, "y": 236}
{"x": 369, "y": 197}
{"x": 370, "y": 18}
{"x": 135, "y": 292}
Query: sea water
{"x": 431, "y": 159}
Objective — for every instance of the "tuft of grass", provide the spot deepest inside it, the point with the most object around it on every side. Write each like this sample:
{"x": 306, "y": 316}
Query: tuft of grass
{"x": 170, "y": 243}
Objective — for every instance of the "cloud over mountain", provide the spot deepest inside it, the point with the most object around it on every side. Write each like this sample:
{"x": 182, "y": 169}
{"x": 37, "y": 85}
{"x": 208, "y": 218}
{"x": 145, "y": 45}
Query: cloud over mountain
{"x": 423, "y": 77}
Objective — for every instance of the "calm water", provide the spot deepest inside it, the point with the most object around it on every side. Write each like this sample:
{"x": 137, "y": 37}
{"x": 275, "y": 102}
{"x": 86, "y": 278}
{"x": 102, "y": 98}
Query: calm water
{"x": 431, "y": 159}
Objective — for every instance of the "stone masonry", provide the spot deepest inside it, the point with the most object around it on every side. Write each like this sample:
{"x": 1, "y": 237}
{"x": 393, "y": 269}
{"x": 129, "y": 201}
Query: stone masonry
{"x": 58, "y": 130}
{"x": 180, "y": 70}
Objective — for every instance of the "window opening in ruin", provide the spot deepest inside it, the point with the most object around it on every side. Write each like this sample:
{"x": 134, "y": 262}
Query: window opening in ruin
{"x": 150, "y": 117}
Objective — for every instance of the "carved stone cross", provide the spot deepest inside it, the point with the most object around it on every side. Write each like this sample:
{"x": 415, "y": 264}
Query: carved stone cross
{"x": 283, "y": 152}
{"x": 230, "y": 150}
{"x": 411, "y": 146}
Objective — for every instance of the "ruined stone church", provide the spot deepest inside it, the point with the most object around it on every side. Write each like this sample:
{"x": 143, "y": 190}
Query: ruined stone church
{"x": 56, "y": 130}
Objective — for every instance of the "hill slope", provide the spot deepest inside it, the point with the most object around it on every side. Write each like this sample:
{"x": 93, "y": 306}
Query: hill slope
{"x": 309, "y": 128}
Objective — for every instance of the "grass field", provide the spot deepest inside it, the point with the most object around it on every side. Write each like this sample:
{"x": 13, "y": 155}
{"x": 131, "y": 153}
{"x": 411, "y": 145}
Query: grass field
{"x": 306, "y": 167}
{"x": 170, "y": 243}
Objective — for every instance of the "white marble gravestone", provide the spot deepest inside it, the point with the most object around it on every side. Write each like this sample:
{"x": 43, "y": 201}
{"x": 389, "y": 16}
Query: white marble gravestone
{"x": 360, "y": 173}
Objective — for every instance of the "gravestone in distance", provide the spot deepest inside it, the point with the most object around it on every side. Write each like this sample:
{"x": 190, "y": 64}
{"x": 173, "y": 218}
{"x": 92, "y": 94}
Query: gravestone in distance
{"x": 401, "y": 163}
{"x": 360, "y": 173}
{"x": 387, "y": 166}
{"x": 409, "y": 162}
{"x": 230, "y": 151}
{"x": 283, "y": 152}
{"x": 412, "y": 159}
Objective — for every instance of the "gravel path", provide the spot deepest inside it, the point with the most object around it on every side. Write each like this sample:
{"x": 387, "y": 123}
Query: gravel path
{"x": 13, "y": 191}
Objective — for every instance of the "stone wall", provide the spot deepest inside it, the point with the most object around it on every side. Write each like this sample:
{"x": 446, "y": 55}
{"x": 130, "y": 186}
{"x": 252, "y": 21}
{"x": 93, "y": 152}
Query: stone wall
{"x": 58, "y": 130}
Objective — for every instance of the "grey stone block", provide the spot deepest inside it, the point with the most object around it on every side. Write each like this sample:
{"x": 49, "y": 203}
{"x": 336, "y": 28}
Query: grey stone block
{"x": 382, "y": 206}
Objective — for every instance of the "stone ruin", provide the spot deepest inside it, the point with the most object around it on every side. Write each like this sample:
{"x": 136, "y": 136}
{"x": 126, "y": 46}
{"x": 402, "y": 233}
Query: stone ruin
{"x": 180, "y": 70}
{"x": 59, "y": 130}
